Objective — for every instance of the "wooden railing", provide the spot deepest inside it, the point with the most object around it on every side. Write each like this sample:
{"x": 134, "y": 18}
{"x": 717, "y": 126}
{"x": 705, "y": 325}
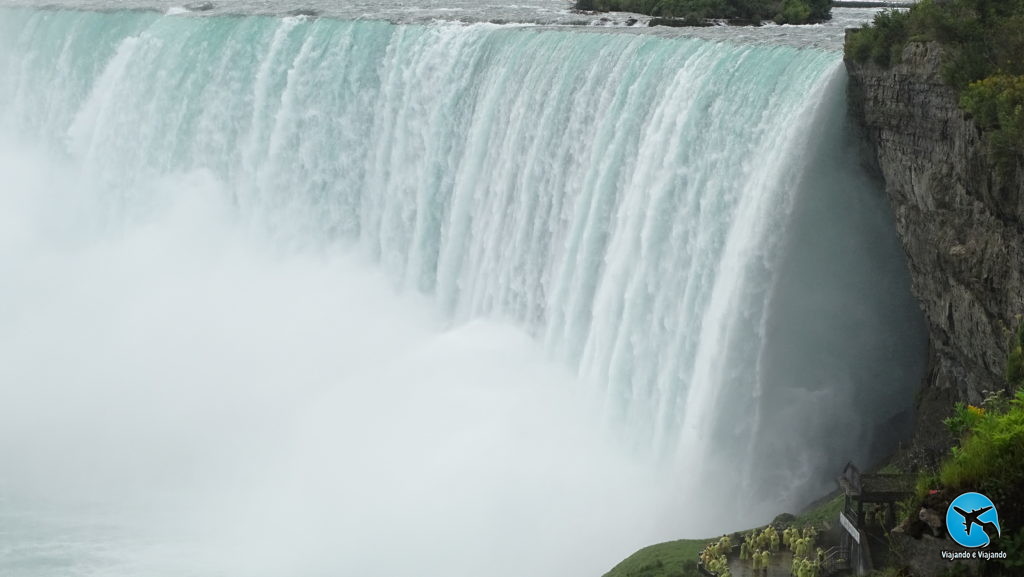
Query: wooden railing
{"x": 836, "y": 559}
{"x": 850, "y": 510}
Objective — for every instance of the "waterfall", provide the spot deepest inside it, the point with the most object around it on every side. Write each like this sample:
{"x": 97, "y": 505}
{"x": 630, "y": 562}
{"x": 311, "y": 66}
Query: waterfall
{"x": 682, "y": 224}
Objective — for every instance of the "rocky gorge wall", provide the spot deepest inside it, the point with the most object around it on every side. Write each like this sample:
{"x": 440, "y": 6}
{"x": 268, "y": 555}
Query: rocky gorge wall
{"x": 961, "y": 222}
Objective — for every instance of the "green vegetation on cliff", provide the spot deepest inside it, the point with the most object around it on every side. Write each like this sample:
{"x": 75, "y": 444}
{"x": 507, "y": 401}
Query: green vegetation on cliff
{"x": 695, "y": 11}
{"x": 988, "y": 458}
{"x": 983, "y": 45}
{"x": 672, "y": 559}
{"x": 997, "y": 104}
{"x": 825, "y": 511}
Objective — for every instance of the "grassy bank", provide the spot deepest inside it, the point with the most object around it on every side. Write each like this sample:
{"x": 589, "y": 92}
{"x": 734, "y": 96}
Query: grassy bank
{"x": 679, "y": 558}
{"x": 826, "y": 510}
{"x": 672, "y": 559}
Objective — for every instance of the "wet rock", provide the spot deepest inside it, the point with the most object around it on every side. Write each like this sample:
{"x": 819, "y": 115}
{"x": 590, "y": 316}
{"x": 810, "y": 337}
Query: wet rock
{"x": 923, "y": 556}
{"x": 783, "y": 519}
{"x": 961, "y": 223}
{"x": 679, "y": 22}
{"x": 743, "y": 22}
{"x": 933, "y": 520}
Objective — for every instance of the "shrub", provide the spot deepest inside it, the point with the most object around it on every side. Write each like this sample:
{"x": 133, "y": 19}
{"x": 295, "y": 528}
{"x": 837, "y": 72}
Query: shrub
{"x": 964, "y": 419}
{"x": 981, "y": 37}
{"x": 1013, "y": 544}
{"x": 926, "y": 482}
{"x": 820, "y": 9}
{"x": 882, "y": 41}
{"x": 990, "y": 459}
{"x": 997, "y": 104}
{"x": 990, "y": 456}
{"x": 983, "y": 58}
{"x": 793, "y": 12}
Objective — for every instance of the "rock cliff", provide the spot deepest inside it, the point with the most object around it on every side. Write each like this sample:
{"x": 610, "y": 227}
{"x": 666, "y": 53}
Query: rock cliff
{"x": 961, "y": 222}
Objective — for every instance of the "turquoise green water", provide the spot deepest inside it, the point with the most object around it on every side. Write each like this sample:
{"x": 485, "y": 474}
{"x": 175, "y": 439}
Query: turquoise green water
{"x": 673, "y": 222}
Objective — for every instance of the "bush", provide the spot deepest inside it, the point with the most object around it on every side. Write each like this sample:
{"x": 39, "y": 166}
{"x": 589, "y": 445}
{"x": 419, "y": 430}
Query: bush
{"x": 990, "y": 455}
{"x": 882, "y": 41}
{"x": 990, "y": 460}
{"x": 926, "y": 483}
{"x": 793, "y": 12}
{"x": 964, "y": 419}
{"x": 983, "y": 53}
{"x": 997, "y": 104}
{"x": 1013, "y": 544}
{"x": 981, "y": 37}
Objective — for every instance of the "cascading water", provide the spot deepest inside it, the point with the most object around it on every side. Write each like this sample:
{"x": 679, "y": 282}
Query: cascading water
{"x": 678, "y": 225}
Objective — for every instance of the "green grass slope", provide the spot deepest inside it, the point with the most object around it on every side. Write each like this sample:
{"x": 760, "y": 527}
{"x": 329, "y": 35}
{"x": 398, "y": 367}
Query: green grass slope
{"x": 672, "y": 559}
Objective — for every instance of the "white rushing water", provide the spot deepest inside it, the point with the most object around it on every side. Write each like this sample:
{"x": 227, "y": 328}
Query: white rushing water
{"x": 293, "y": 296}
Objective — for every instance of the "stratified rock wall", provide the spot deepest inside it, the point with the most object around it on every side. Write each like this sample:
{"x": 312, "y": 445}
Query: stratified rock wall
{"x": 961, "y": 222}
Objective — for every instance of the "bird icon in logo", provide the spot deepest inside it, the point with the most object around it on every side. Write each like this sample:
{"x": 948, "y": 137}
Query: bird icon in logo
{"x": 966, "y": 512}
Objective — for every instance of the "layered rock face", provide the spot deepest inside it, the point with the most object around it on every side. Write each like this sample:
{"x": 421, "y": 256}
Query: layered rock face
{"x": 961, "y": 222}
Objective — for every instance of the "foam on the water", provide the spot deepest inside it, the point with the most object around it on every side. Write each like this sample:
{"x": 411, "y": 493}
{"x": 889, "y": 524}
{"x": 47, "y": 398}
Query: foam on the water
{"x": 309, "y": 296}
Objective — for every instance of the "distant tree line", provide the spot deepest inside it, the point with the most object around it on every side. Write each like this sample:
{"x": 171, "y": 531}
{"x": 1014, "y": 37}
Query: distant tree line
{"x": 753, "y": 11}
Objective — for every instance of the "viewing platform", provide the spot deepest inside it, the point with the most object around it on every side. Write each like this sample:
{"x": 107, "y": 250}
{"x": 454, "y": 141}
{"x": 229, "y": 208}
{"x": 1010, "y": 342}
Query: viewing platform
{"x": 860, "y": 489}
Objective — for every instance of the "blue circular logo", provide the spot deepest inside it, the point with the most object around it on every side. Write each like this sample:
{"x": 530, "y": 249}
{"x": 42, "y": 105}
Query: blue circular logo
{"x": 972, "y": 520}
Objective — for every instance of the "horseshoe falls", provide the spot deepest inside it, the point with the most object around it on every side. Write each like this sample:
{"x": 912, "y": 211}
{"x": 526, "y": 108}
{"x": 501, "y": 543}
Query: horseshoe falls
{"x": 310, "y": 296}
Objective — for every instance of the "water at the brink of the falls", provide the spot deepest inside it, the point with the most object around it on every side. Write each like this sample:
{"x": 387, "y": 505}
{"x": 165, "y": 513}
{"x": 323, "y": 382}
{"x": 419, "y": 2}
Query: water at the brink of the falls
{"x": 291, "y": 296}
